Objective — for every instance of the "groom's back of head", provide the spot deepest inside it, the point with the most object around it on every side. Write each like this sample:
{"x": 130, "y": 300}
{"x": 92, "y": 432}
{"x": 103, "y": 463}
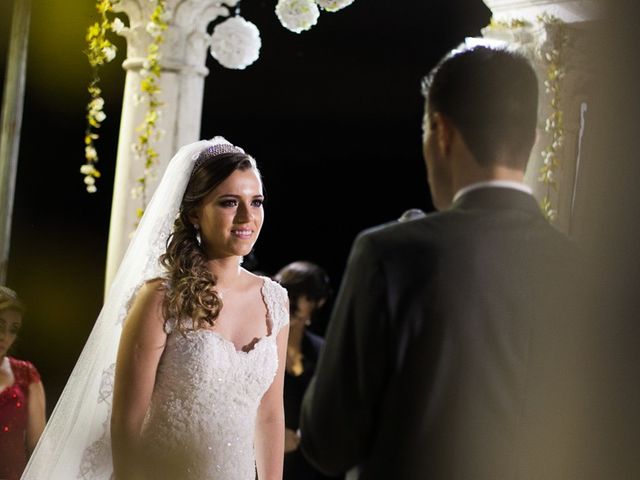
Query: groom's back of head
{"x": 491, "y": 95}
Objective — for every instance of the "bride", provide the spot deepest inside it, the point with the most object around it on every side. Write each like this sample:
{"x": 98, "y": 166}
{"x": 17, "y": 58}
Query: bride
{"x": 197, "y": 390}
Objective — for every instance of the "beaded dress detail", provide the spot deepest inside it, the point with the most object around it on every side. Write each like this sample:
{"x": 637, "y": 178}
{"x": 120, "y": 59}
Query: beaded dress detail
{"x": 201, "y": 421}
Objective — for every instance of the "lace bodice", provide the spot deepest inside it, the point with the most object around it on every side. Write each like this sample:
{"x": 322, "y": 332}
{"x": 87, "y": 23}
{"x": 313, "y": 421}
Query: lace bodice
{"x": 201, "y": 421}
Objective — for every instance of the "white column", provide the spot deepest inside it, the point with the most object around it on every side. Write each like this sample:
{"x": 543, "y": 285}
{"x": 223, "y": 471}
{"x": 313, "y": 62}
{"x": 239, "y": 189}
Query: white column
{"x": 11, "y": 123}
{"x": 183, "y": 56}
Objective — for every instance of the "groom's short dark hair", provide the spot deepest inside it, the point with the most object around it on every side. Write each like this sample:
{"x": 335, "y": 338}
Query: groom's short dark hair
{"x": 491, "y": 95}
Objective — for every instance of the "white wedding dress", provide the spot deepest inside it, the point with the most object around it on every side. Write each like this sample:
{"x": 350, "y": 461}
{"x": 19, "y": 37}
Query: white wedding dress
{"x": 201, "y": 421}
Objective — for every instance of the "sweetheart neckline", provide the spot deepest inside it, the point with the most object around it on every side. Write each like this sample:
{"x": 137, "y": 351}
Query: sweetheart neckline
{"x": 255, "y": 340}
{"x": 228, "y": 342}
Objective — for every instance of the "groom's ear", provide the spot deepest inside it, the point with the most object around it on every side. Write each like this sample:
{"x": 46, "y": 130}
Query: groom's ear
{"x": 443, "y": 130}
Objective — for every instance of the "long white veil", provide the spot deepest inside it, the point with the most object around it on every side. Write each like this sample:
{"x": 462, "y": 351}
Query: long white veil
{"x": 76, "y": 441}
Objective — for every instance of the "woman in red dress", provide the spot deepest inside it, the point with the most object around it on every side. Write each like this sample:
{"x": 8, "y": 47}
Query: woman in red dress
{"x": 22, "y": 401}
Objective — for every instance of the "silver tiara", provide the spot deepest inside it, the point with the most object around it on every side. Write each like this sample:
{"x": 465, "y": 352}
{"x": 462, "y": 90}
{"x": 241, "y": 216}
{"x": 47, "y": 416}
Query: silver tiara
{"x": 213, "y": 150}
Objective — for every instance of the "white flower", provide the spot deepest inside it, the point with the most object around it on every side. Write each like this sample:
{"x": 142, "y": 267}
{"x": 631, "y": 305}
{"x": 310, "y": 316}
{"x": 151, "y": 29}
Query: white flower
{"x": 550, "y": 177}
{"x": 136, "y": 192}
{"x": 96, "y": 104}
{"x": 297, "y": 15}
{"x": 109, "y": 52}
{"x": 91, "y": 189}
{"x": 87, "y": 169}
{"x": 166, "y": 16}
{"x": 118, "y": 25}
{"x": 153, "y": 29}
{"x": 99, "y": 116}
{"x": 549, "y": 124}
{"x": 334, "y": 5}
{"x": 89, "y": 180}
{"x": 90, "y": 154}
{"x": 235, "y": 43}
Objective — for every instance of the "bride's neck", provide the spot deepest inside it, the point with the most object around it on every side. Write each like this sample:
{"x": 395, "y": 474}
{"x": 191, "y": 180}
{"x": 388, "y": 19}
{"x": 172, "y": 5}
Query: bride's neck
{"x": 225, "y": 270}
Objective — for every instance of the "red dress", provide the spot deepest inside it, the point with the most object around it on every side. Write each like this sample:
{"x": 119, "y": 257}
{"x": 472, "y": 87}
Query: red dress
{"x": 13, "y": 419}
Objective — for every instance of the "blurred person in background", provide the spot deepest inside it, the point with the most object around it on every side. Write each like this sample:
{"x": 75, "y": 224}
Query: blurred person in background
{"x": 309, "y": 289}
{"x": 22, "y": 398}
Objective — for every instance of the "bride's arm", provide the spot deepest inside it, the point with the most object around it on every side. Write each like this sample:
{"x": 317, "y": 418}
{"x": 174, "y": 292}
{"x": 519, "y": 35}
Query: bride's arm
{"x": 141, "y": 345}
{"x": 269, "y": 439}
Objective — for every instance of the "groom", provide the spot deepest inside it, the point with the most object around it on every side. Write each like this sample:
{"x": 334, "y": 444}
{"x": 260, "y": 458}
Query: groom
{"x": 451, "y": 349}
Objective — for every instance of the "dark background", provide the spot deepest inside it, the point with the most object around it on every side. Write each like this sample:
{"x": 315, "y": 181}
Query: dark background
{"x": 333, "y": 116}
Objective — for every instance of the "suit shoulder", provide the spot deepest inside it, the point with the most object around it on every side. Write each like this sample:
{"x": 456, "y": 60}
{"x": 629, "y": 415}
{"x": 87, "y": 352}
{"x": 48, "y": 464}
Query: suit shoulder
{"x": 392, "y": 233}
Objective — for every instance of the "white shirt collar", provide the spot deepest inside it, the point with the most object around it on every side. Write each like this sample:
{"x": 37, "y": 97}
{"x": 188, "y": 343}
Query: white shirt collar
{"x": 492, "y": 183}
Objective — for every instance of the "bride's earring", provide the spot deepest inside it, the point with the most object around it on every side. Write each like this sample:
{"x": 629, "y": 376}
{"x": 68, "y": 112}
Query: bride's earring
{"x": 198, "y": 238}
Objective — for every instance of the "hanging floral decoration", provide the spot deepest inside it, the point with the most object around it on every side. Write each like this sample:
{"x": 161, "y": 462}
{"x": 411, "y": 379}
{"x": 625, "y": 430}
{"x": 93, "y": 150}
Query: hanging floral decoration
{"x": 300, "y": 15}
{"x": 334, "y": 5}
{"x": 235, "y": 43}
{"x": 148, "y": 130}
{"x": 297, "y": 15}
{"x": 554, "y": 124}
{"x": 99, "y": 52}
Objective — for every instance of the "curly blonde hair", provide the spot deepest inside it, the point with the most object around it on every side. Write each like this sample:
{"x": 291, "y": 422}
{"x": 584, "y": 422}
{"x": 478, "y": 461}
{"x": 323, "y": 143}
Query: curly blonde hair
{"x": 191, "y": 300}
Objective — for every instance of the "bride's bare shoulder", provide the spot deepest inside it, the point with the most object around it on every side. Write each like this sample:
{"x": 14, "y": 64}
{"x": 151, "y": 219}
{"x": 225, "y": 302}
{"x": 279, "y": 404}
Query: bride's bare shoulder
{"x": 157, "y": 284}
{"x": 150, "y": 294}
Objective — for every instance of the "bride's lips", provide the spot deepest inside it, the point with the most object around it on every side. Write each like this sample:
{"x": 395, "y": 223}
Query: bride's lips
{"x": 242, "y": 233}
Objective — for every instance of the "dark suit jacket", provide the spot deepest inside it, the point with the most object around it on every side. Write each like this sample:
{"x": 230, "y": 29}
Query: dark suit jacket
{"x": 450, "y": 351}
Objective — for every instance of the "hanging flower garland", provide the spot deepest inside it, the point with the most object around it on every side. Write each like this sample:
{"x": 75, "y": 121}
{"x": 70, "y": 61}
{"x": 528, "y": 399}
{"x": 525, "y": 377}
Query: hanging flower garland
{"x": 148, "y": 130}
{"x": 554, "y": 123}
{"x": 100, "y": 51}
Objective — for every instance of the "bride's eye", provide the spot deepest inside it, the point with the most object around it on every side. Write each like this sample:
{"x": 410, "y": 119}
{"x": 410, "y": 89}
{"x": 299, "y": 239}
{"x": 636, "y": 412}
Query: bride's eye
{"x": 228, "y": 202}
{"x": 258, "y": 202}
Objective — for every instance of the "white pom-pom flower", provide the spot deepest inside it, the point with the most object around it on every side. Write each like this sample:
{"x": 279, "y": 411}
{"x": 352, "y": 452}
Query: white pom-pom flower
{"x": 118, "y": 26}
{"x": 235, "y": 43}
{"x": 297, "y": 15}
{"x": 334, "y": 5}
